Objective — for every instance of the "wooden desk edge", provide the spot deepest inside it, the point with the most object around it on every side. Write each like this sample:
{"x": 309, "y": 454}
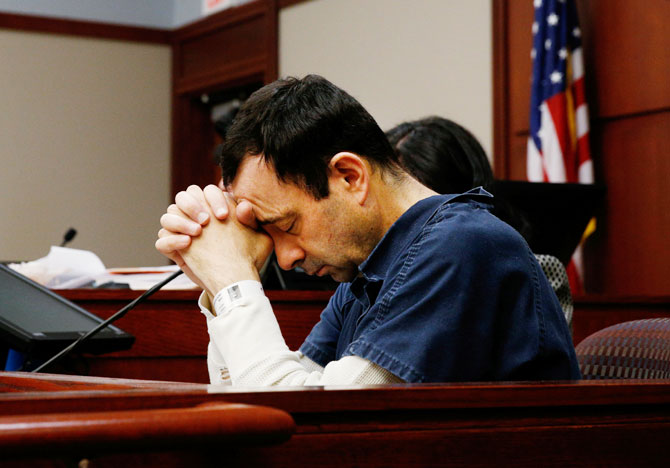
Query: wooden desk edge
{"x": 40, "y": 391}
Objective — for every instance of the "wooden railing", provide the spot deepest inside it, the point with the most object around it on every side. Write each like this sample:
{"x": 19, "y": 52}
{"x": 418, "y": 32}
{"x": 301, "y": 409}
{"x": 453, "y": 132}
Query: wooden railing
{"x": 131, "y": 423}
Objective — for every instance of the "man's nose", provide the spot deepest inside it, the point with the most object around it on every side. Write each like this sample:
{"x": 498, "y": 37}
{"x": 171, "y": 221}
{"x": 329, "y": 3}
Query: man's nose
{"x": 289, "y": 254}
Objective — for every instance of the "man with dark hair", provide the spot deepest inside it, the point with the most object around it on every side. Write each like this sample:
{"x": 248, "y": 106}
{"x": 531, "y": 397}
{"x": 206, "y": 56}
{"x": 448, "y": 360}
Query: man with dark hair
{"x": 434, "y": 288}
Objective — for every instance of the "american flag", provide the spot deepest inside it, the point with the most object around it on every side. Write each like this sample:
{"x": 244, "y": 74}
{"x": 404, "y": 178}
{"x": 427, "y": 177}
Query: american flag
{"x": 558, "y": 145}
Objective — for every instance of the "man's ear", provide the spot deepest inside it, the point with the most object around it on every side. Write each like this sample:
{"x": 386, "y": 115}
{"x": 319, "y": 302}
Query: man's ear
{"x": 350, "y": 173}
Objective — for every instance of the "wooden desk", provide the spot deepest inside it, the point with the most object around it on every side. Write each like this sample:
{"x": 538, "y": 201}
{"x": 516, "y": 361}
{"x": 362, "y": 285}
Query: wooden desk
{"x": 171, "y": 333}
{"x": 582, "y": 424}
{"x": 51, "y": 420}
{"x": 171, "y": 336}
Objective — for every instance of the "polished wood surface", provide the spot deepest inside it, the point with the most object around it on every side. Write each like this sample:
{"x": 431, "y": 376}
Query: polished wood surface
{"x": 223, "y": 424}
{"x": 81, "y": 422}
{"x": 231, "y": 44}
{"x": 626, "y": 56}
{"x": 588, "y": 423}
{"x": 630, "y": 250}
{"x": 297, "y": 312}
{"x": 171, "y": 333}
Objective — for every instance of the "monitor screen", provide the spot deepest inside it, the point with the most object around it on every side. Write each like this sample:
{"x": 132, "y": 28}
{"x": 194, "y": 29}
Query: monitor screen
{"x": 33, "y": 319}
{"x": 557, "y": 213}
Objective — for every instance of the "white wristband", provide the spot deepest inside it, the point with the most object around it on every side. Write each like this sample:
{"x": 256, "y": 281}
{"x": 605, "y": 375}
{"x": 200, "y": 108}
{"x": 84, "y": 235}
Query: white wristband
{"x": 236, "y": 294}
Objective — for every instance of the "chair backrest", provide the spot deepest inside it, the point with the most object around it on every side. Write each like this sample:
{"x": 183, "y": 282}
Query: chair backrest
{"x": 558, "y": 279}
{"x": 639, "y": 349}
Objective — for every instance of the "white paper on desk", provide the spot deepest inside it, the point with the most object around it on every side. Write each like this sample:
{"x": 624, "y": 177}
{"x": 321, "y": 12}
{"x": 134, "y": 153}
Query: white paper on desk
{"x": 145, "y": 277}
{"x": 63, "y": 268}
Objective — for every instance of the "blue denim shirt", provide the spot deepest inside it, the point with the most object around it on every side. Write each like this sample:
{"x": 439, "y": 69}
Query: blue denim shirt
{"x": 451, "y": 293}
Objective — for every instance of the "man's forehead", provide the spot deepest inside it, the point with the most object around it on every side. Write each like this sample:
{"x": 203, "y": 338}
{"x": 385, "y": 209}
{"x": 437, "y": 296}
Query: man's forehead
{"x": 250, "y": 176}
{"x": 257, "y": 184}
{"x": 264, "y": 213}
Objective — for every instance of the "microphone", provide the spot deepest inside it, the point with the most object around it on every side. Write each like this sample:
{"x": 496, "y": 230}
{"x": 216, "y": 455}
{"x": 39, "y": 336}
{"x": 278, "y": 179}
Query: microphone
{"x": 69, "y": 235}
{"x": 110, "y": 320}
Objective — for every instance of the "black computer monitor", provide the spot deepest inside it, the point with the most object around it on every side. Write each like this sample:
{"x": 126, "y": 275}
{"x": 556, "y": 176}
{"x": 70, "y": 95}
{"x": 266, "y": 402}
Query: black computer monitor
{"x": 557, "y": 213}
{"x": 38, "y": 322}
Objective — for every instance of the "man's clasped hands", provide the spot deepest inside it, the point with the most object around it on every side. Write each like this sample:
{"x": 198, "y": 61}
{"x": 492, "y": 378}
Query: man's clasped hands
{"x": 212, "y": 238}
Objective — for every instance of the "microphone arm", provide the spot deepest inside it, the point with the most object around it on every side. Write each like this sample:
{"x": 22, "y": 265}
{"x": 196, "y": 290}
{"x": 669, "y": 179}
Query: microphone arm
{"x": 111, "y": 319}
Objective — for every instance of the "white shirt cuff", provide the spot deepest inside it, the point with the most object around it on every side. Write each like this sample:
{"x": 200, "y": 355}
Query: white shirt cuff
{"x": 237, "y": 294}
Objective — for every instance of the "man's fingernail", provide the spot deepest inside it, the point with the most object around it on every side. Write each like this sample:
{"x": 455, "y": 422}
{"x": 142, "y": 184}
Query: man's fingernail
{"x": 220, "y": 213}
{"x": 202, "y": 217}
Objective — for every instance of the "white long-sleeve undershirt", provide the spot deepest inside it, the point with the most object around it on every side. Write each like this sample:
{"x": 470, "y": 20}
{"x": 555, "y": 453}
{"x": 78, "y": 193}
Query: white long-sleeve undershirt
{"x": 247, "y": 348}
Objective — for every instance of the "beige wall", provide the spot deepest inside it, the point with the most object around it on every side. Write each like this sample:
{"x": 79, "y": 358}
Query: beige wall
{"x": 402, "y": 59}
{"x": 84, "y": 142}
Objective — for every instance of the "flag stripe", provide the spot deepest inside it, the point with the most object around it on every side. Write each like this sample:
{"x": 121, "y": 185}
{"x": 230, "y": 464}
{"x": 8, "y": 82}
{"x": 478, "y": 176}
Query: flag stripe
{"x": 577, "y": 61}
{"x": 582, "y": 118}
{"x": 534, "y": 163}
{"x": 585, "y": 172}
{"x": 578, "y": 92}
{"x": 552, "y": 153}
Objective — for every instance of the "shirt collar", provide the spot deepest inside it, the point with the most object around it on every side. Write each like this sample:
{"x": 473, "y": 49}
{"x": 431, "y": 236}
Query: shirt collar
{"x": 407, "y": 227}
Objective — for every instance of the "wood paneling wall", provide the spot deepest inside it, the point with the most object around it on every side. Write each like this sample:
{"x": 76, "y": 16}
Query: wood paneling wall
{"x": 626, "y": 64}
{"x": 233, "y": 49}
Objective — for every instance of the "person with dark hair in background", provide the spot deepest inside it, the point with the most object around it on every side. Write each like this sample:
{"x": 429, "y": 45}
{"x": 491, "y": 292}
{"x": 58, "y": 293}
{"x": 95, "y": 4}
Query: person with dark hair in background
{"x": 434, "y": 288}
{"x": 441, "y": 154}
{"x": 446, "y": 157}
